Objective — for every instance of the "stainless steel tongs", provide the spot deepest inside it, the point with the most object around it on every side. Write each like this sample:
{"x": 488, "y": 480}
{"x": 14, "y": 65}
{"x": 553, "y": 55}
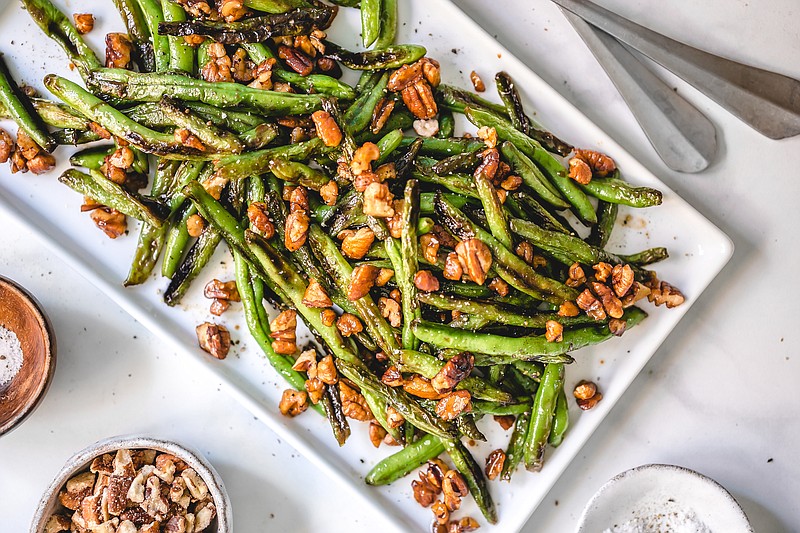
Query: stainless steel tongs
{"x": 683, "y": 137}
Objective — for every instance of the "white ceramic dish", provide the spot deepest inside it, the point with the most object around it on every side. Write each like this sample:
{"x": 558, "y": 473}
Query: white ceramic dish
{"x": 639, "y": 494}
{"x": 698, "y": 252}
{"x": 81, "y": 461}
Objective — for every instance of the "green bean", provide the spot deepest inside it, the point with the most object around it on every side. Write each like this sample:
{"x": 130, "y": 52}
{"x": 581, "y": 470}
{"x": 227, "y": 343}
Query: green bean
{"x": 510, "y": 267}
{"x": 464, "y": 162}
{"x": 334, "y": 410}
{"x": 447, "y": 124}
{"x": 198, "y": 257}
{"x": 106, "y": 192}
{"x": 181, "y": 54}
{"x": 153, "y": 17}
{"x": 57, "y": 26}
{"x": 473, "y": 475}
{"x": 236, "y": 121}
{"x": 176, "y": 242}
{"x": 495, "y": 216}
{"x": 446, "y": 147}
{"x": 532, "y": 176}
{"x": 53, "y": 114}
{"x": 460, "y": 184}
{"x": 115, "y": 121}
{"x": 560, "y": 420}
{"x": 388, "y": 144}
{"x": 394, "y": 56}
{"x": 614, "y": 190}
{"x": 92, "y": 158}
{"x": 258, "y": 162}
{"x": 550, "y": 165}
{"x": 525, "y": 348}
{"x": 21, "y": 110}
{"x": 216, "y": 139}
{"x": 259, "y": 52}
{"x": 358, "y": 116}
{"x": 515, "y": 449}
{"x": 513, "y": 104}
{"x": 533, "y": 209}
{"x": 151, "y": 238}
{"x": 532, "y": 370}
{"x": 74, "y": 137}
{"x": 645, "y": 257}
{"x": 499, "y": 409}
{"x": 275, "y": 6}
{"x": 152, "y": 87}
{"x": 606, "y": 217}
{"x": 295, "y": 172}
{"x": 398, "y": 120}
{"x": 259, "y": 136}
{"x": 541, "y": 423}
{"x": 316, "y": 83}
{"x": 399, "y": 464}
{"x": 388, "y": 23}
{"x": 457, "y": 100}
{"x": 467, "y": 428}
{"x": 408, "y": 267}
{"x": 498, "y": 313}
{"x": 138, "y": 32}
{"x": 301, "y": 21}
{"x": 370, "y": 21}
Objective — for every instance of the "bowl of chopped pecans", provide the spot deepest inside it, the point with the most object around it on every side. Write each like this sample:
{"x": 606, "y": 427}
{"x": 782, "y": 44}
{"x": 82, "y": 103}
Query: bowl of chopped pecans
{"x": 132, "y": 484}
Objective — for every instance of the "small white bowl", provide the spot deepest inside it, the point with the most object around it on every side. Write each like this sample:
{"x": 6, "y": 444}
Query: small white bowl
{"x": 649, "y": 490}
{"x": 49, "y": 503}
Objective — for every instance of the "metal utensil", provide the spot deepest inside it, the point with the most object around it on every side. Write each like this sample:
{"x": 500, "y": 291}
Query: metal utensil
{"x": 682, "y": 136}
{"x": 767, "y": 101}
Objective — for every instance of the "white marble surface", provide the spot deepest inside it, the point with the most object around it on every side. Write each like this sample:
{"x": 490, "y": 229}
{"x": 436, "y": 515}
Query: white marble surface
{"x": 718, "y": 397}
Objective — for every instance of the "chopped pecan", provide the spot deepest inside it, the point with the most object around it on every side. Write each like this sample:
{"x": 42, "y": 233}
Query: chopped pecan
{"x": 499, "y": 286}
{"x": 392, "y": 377}
{"x": 405, "y": 76}
{"x": 197, "y": 8}
{"x": 494, "y": 463}
{"x": 76, "y": 489}
{"x": 425, "y": 281}
{"x": 118, "y": 50}
{"x": 390, "y": 310}
{"x": 26, "y": 145}
{"x": 353, "y": 403}
{"x": 59, "y": 523}
{"x": 262, "y": 75}
{"x": 307, "y": 362}
{"x": 329, "y": 66}
{"x": 475, "y": 258}
{"x": 477, "y": 82}
{"x": 6, "y": 145}
{"x": 218, "y": 307}
{"x": 418, "y": 386}
{"x": 452, "y": 267}
{"x": 662, "y": 293}
{"x": 376, "y": 433}
{"x": 348, "y": 324}
{"x": 396, "y": 296}
{"x": 465, "y": 524}
{"x": 303, "y": 42}
{"x": 293, "y": 402}
{"x": 488, "y": 135}
{"x": 505, "y": 421}
{"x": 232, "y": 10}
{"x": 315, "y": 389}
{"x": 41, "y": 163}
{"x": 296, "y": 60}
{"x": 602, "y": 271}
{"x": 423, "y": 492}
{"x": 328, "y": 317}
{"x": 218, "y": 67}
{"x": 327, "y": 128}
{"x": 511, "y": 183}
{"x": 394, "y": 418}
{"x": 453, "y": 372}
{"x": 622, "y": 279}
{"x": 386, "y": 171}
{"x": 284, "y": 331}
{"x": 591, "y": 305}
{"x": 553, "y": 331}
{"x": 611, "y": 303}
{"x": 617, "y": 326}
{"x": 584, "y": 390}
{"x": 329, "y": 193}
{"x": 489, "y": 165}
{"x": 454, "y": 487}
{"x": 112, "y": 222}
{"x": 395, "y": 223}
{"x": 576, "y": 275}
{"x": 241, "y": 67}
{"x": 194, "y": 40}
{"x": 384, "y": 276}
{"x": 326, "y": 371}
{"x": 440, "y": 512}
{"x": 430, "y": 247}
{"x": 315, "y": 295}
{"x": 378, "y": 201}
{"x": 600, "y": 164}
{"x": 361, "y": 281}
{"x": 214, "y": 339}
{"x": 84, "y": 22}
{"x": 257, "y": 214}
{"x": 453, "y": 404}
{"x": 426, "y": 127}
{"x": 636, "y": 293}
{"x": 187, "y": 138}
{"x": 568, "y": 309}
{"x": 363, "y": 158}
{"x": 18, "y": 163}
{"x": 296, "y": 230}
{"x": 589, "y": 403}
{"x": 431, "y": 71}
{"x": 580, "y": 171}
{"x": 419, "y": 99}
{"x": 195, "y": 225}
{"x": 381, "y": 113}
{"x": 356, "y": 245}
{"x": 434, "y": 475}
{"x": 298, "y": 199}
{"x": 221, "y": 290}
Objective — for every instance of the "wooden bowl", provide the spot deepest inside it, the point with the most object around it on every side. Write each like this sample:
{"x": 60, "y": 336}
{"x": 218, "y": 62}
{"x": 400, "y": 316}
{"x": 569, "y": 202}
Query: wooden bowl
{"x": 22, "y": 314}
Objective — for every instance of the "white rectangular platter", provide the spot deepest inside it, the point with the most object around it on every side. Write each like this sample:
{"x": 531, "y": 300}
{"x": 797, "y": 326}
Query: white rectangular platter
{"x": 698, "y": 252}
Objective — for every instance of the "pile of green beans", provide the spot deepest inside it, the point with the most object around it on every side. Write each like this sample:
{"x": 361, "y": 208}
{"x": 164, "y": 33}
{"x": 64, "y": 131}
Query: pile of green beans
{"x": 478, "y": 255}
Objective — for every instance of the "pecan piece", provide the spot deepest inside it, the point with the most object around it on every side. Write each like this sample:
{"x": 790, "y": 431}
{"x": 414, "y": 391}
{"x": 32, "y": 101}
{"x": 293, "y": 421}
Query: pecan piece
{"x": 489, "y": 165}
{"x": 327, "y": 128}
{"x": 216, "y": 289}
{"x": 326, "y": 371}
{"x": 452, "y": 267}
{"x": 361, "y": 281}
{"x": 591, "y": 305}
{"x": 499, "y": 286}
{"x": 440, "y": 512}
{"x": 576, "y": 276}
{"x": 505, "y": 421}
{"x": 602, "y": 271}
{"x": 118, "y": 50}
{"x": 356, "y": 245}
{"x": 214, "y": 339}
{"x": 553, "y": 331}
{"x": 419, "y": 100}
{"x": 405, "y": 76}
{"x": 284, "y": 332}
{"x": 568, "y": 309}
{"x": 378, "y": 201}
{"x": 307, "y": 362}
{"x": 600, "y": 164}
{"x": 6, "y": 145}
{"x": 363, "y": 158}
{"x": 453, "y": 372}
{"x": 112, "y": 222}
{"x": 297, "y": 60}
{"x": 425, "y": 281}
{"x": 423, "y": 493}
{"x": 296, "y": 231}
{"x": 315, "y": 295}
{"x": 622, "y": 279}
{"x": 580, "y": 171}
{"x": 293, "y": 402}
{"x": 589, "y": 403}
{"x": 376, "y": 434}
{"x": 454, "y": 487}
{"x": 394, "y": 418}
{"x": 328, "y": 317}
{"x": 381, "y": 114}
{"x": 392, "y": 377}
{"x": 84, "y": 22}
{"x": 257, "y": 214}
{"x": 384, "y": 276}
{"x": 611, "y": 303}
{"x": 429, "y": 245}
{"x": 494, "y": 463}
{"x": 195, "y": 225}
{"x": 477, "y": 82}
{"x": 475, "y": 258}
{"x": 315, "y": 389}
{"x": 348, "y": 324}
{"x": 353, "y": 404}
{"x": 662, "y": 293}
{"x": 453, "y": 404}
{"x": 617, "y": 326}
{"x": 390, "y": 310}
{"x": 232, "y": 10}
{"x": 420, "y": 387}
{"x": 329, "y": 193}
{"x": 584, "y": 390}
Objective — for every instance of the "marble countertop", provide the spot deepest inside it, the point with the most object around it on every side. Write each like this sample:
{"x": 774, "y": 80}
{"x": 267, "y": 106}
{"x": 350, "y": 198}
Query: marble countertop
{"x": 719, "y": 396}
